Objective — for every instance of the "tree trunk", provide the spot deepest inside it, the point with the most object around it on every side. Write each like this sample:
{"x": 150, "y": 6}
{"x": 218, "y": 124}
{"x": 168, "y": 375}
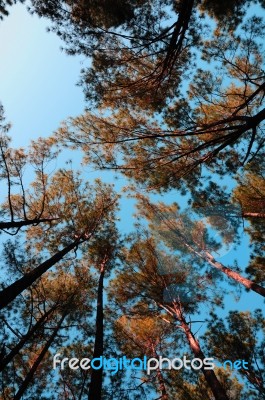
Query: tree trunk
{"x": 162, "y": 386}
{"x": 160, "y": 378}
{"x": 6, "y": 360}
{"x": 210, "y": 377}
{"x": 8, "y": 294}
{"x": 37, "y": 362}
{"x": 205, "y": 255}
{"x": 235, "y": 275}
{"x": 231, "y": 274}
{"x": 253, "y": 215}
{"x": 95, "y": 387}
{"x": 20, "y": 224}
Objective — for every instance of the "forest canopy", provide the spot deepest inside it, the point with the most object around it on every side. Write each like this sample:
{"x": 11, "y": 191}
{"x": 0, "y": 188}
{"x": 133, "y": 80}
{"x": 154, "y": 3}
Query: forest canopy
{"x": 174, "y": 107}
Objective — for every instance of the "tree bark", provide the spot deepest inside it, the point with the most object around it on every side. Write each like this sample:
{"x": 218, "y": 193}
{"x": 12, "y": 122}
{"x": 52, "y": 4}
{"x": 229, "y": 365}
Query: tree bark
{"x": 8, "y": 294}
{"x": 9, "y": 357}
{"x": 235, "y": 275}
{"x": 95, "y": 387}
{"x": 37, "y": 362}
{"x": 210, "y": 377}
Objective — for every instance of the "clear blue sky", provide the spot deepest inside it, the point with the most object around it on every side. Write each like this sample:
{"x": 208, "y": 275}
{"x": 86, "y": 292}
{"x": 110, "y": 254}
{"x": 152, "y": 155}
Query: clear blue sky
{"x": 38, "y": 81}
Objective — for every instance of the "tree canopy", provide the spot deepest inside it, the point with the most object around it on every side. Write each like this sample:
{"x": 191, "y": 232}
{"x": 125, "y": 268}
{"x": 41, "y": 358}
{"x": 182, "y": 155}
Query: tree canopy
{"x": 174, "y": 96}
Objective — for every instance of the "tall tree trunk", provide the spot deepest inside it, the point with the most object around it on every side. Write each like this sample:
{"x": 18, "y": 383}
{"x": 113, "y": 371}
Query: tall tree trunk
{"x": 8, "y": 294}
{"x": 235, "y": 275}
{"x": 95, "y": 387}
{"x": 37, "y": 362}
{"x": 210, "y": 377}
{"x": 9, "y": 357}
{"x": 160, "y": 378}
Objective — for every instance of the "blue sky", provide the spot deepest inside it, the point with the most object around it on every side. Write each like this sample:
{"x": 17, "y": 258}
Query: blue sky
{"x": 38, "y": 81}
{"x": 38, "y": 87}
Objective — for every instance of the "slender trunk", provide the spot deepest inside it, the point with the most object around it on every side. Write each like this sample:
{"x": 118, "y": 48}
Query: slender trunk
{"x": 235, "y": 275}
{"x": 19, "y": 224}
{"x": 162, "y": 386}
{"x": 160, "y": 378}
{"x": 210, "y": 377}
{"x": 95, "y": 387}
{"x": 8, "y": 294}
{"x": 231, "y": 274}
{"x": 9, "y": 357}
{"x": 30, "y": 375}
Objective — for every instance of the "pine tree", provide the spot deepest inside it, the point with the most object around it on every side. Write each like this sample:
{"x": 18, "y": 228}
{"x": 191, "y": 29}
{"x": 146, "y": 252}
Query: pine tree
{"x": 177, "y": 293}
